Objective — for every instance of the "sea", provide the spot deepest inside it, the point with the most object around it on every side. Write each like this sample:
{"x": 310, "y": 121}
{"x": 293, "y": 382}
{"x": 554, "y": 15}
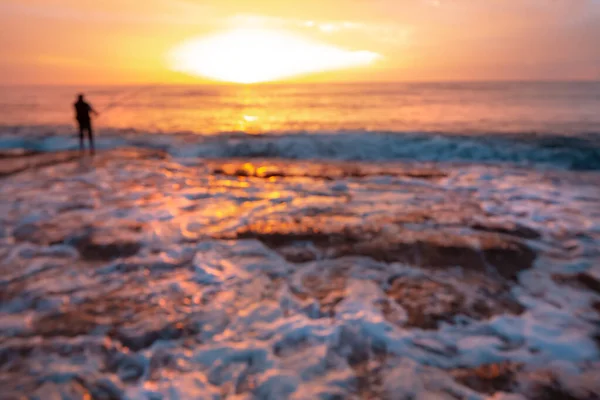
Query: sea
{"x": 550, "y": 123}
{"x": 363, "y": 241}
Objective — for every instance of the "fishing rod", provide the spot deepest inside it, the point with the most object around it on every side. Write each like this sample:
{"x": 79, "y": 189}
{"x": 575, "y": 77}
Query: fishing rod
{"x": 128, "y": 96}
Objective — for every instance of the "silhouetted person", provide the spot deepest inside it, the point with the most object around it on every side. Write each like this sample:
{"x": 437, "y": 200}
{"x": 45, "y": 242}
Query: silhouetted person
{"x": 82, "y": 114}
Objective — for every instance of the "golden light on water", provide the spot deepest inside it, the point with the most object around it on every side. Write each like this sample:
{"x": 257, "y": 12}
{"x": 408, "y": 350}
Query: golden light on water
{"x": 261, "y": 55}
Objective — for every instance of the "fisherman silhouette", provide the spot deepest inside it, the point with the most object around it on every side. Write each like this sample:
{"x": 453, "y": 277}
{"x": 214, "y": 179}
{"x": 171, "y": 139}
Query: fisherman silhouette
{"x": 82, "y": 114}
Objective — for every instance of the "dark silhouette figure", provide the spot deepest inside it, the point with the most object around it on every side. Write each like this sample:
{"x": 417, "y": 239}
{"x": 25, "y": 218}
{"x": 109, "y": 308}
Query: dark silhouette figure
{"x": 82, "y": 114}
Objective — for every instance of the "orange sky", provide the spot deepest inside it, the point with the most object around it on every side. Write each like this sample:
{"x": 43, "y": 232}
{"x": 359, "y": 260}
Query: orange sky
{"x": 127, "y": 41}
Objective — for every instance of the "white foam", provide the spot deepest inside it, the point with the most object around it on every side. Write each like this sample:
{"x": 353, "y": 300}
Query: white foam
{"x": 215, "y": 317}
{"x": 574, "y": 152}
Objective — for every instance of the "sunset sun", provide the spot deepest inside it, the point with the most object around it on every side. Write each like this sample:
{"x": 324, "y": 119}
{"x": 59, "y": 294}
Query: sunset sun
{"x": 261, "y": 55}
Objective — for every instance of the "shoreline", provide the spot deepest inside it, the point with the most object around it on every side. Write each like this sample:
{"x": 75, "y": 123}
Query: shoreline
{"x": 578, "y": 153}
{"x": 203, "y": 277}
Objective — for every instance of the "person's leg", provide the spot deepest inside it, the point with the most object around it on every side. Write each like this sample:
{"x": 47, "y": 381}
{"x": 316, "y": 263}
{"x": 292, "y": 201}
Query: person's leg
{"x": 91, "y": 138}
{"x": 81, "y": 128}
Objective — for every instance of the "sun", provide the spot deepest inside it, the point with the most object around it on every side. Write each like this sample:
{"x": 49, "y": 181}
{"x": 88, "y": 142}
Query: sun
{"x": 252, "y": 55}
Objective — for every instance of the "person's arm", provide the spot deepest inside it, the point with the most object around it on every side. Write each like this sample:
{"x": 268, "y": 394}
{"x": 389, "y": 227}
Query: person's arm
{"x": 93, "y": 111}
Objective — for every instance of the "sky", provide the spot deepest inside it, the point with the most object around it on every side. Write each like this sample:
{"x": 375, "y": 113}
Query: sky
{"x": 130, "y": 41}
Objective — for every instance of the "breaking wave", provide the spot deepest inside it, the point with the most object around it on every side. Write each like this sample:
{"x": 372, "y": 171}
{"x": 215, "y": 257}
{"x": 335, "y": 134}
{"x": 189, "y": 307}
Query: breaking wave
{"x": 581, "y": 152}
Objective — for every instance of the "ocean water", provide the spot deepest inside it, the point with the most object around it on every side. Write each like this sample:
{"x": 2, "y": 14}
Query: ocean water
{"x": 436, "y": 241}
{"x": 550, "y": 124}
{"x": 454, "y": 108}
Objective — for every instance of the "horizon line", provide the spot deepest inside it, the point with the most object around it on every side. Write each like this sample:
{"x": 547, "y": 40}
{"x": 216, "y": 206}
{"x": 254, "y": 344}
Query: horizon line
{"x": 282, "y": 83}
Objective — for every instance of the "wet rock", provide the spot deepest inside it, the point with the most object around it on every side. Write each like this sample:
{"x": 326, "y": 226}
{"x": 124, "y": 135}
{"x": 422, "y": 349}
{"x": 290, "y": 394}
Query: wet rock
{"x": 588, "y": 280}
{"x": 307, "y": 230}
{"x": 47, "y": 232}
{"x": 327, "y": 289}
{"x": 12, "y": 290}
{"x": 36, "y": 369}
{"x": 489, "y": 378}
{"x": 431, "y": 247}
{"x": 71, "y": 323}
{"x": 103, "y": 389}
{"x": 249, "y": 170}
{"x": 27, "y": 233}
{"x": 555, "y": 391}
{"x": 93, "y": 240}
{"x": 18, "y": 152}
{"x": 135, "y": 323}
{"x": 444, "y": 250}
{"x": 425, "y": 173}
{"x": 94, "y": 243}
{"x": 509, "y": 257}
{"x": 428, "y": 301}
{"x": 299, "y": 254}
{"x": 106, "y": 245}
{"x": 16, "y": 163}
{"x": 19, "y": 160}
{"x": 170, "y": 331}
{"x": 512, "y": 229}
{"x": 327, "y": 171}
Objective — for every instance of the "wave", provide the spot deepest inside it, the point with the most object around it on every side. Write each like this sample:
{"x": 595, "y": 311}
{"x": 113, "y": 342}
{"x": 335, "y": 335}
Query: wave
{"x": 581, "y": 152}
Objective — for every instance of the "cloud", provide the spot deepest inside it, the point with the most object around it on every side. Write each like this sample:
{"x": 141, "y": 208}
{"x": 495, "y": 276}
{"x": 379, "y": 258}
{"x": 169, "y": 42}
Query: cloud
{"x": 378, "y": 32}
